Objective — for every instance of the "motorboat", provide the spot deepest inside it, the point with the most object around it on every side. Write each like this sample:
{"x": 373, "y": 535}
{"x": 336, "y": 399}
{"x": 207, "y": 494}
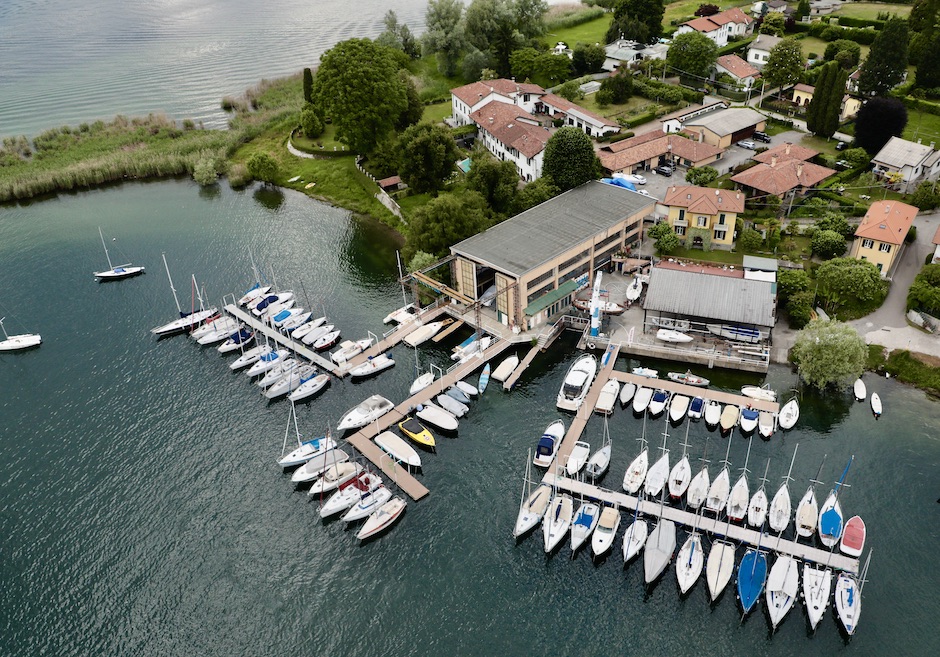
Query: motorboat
{"x": 658, "y": 402}
{"x": 309, "y": 387}
{"x": 294, "y": 379}
{"x": 599, "y": 462}
{"x": 765, "y": 424}
{"x": 350, "y": 493}
{"x": 304, "y": 329}
{"x": 763, "y": 393}
{"x": 250, "y": 357}
{"x": 306, "y": 451}
{"x": 606, "y": 531}
{"x": 696, "y": 408}
{"x": 712, "y": 413}
{"x": 719, "y": 568}
{"x": 689, "y": 562}
{"x": 549, "y": 443}
{"x": 467, "y": 388}
{"x": 458, "y": 394}
{"x": 532, "y": 509}
{"x": 678, "y": 407}
{"x": 789, "y": 414}
{"x": 334, "y": 477}
{"x": 266, "y": 362}
{"x": 729, "y": 417}
{"x": 876, "y": 404}
{"x": 737, "y": 333}
{"x": 817, "y": 587}
{"x": 782, "y": 586}
{"x": 368, "y": 503}
{"x": 505, "y": 369}
{"x": 452, "y": 406}
{"x": 437, "y": 416}
{"x": 697, "y": 490}
{"x": 752, "y": 573}
{"x": 371, "y": 409}
{"x": 254, "y": 292}
{"x": 114, "y": 273}
{"x": 585, "y": 521}
{"x": 607, "y": 398}
{"x": 641, "y": 400}
{"x": 853, "y": 537}
{"x": 626, "y": 394}
{"x": 398, "y": 449}
{"x": 315, "y": 334}
{"x": 423, "y": 333}
{"x": 660, "y": 546}
{"x": 403, "y": 315}
{"x": 680, "y": 477}
{"x": 372, "y": 366}
{"x": 557, "y": 521}
{"x": 420, "y": 383}
{"x": 688, "y": 379}
{"x": 657, "y": 475}
{"x": 349, "y": 350}
{"x": 749, "y": 418}
{"x": 577, "y": 458}
{"x": 859, "y": 389}
{"x": 471, "y": 347}
{"x": 281, "y": 369}
{"x": 383, "y": 518}
{"x": 634, "y": 290}
{"x": 236, "y": 341}
{"x": 18, "y": 342}
{"x": 634, "y": 539}
{"x": 646, "y": 372}
{"x": 417, "y": 432}
{"x": 636, "y": 472}
{"x": 326, "y": 341}
{"x": 670, "y": 335}
{"x": 577, "y": 383}
{"x": 319, "y": 464}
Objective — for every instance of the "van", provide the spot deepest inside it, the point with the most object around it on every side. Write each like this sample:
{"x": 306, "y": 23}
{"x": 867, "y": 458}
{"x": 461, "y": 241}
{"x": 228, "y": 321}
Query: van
{"x": 762, "y": 136}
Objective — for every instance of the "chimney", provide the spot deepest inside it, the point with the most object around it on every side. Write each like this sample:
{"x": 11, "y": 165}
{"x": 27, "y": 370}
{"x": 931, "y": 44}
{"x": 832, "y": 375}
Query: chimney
{"x": 799, "y": 170}
{"x": 933, "y": 145}
{"x": 773, "y": 161}
{"x": 788, "y": 148}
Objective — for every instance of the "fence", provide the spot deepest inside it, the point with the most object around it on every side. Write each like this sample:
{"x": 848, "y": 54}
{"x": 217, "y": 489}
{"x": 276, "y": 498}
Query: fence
{"x": 381, "y": 195}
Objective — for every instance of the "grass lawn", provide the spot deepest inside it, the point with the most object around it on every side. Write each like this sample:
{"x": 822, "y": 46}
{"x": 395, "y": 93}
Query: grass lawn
{"x": 686, "y": 8}
{"x": 325, "y": 142}
{"x": 923, "y": 126}
{"x": 436, "y": 113}
{"x": 636, "y": 105}
{"x": 590, "y": 32}
{"x": 715, "y": 255}
{"x": 820, "y": 144}
{"x": 870, "y": 10}
{"x": 812, "y": 44}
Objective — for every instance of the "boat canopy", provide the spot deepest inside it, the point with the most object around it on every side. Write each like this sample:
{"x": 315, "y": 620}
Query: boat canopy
{"x": 546, "y": 445}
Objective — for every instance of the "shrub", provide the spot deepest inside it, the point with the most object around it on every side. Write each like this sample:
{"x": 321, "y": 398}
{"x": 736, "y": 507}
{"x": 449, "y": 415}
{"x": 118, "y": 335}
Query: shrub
{"x": 911, "y": 236}
{"x": 204, "y": 173}
{"x": 800, "y": 309}
{"x": 828, "y": 244}
{"x": 238, "y": 176}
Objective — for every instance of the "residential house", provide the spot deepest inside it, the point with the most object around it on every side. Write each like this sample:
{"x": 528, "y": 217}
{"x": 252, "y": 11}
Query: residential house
{"x": 785, "y": 152}
{"x": 759, "y": 51}
{"x": 511, "y": 133}
{"x": 727, "y": 126}
{"x": 744, "y": 74}
{"x": 880, "y": 237}
{"x": 803, "y": 94}
{"x": 912, "y": 160}
{"x": 623, "y": 53}
{"x": 720, "y": 27}
{"x": 469, "y": 98}
{"x": 823, "y": 7}
{"x": 650, "y": 149}
{"x": 787, "y": 178}
{"x": 704, "y": 214}
{"x": 673, "y": 122}
{"x": 851, "y": 83}
{"x": 573, "y": 115}
{"x": 779, "y": 6}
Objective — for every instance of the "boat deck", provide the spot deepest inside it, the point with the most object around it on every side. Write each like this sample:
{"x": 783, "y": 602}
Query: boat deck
{"x": 696, "y": 391}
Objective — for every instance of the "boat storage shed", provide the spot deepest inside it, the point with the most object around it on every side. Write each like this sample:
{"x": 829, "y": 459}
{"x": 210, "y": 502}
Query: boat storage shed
{"x": 539, "y": 258}
{"x": 692, "y": 293}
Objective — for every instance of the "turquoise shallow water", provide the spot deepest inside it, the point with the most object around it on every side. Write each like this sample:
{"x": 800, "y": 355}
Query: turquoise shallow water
{"x": 142, "y": 513}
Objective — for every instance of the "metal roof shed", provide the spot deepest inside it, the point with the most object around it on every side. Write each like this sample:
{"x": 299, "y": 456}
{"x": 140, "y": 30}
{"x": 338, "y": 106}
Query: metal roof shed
{"x": 723, "y": 298}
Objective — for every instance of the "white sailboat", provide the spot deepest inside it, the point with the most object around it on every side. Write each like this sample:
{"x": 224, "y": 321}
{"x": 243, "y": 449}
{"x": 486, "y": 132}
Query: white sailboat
{"x": 188, "y": 320}
{"x": 304, "y": 330}
{"x": 283, "y": 368}
{"x": 317, "y": 334}
{"x": 18, "y": 342}
{"x": 789, "y": 414}
{"x": 807, "y": 511}
{"x": 334, "y": 477}
{"x": 635, "y": 475}
{"x": 780, "y": 507}
{"x": 606, "y": 531}
{"x": 309, "y": 387}
{"x": 781, "y": 589}
{"x": 690, "y": 561}
{"x": 369, "y": 502}
{"x": 557, "y": 521}
{"x": 740, "y": 494}
{"x": 659, "y": 471}
{"x": 319, "y": 464}
{"x": 757, "y": 508}
{"x": 634, "y": 538}
{"x": 599, "y": 462}
{"x": 720, "y": 567}
{"x": 681, "y": 473}
{"x": 699, "y": 485}
{"x": 350, "y": 493}
{"x": 294, "y": 379}
{"x": 421, "y": 382}
{"x": 660, "y": 546}
{"x": 817, "y": 588}
{"x": 718, "y": 492}
{"x": 306, "y": 449}
{"x": 114, "y": 273}
{"x": 359, "y": 416}
{"x": 382, "y": 518}
{"x": 250, "y": 357}
{"x": 533, "y": 504}
{"x": 585, "y": 522}
{"x": 266, "y": 362}
{"x": 848, "y": 598}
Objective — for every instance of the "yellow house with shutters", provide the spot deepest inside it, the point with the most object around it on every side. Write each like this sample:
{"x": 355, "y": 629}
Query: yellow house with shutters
{"x": 703, "y": 214}
{"x": 880, "y": 237}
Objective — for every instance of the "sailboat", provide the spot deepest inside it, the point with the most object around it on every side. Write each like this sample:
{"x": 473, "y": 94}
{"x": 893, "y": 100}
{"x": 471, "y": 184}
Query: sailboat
{"x": 659, "y": 471}
{"x": 752, "y": 573}
{"x": 660, "y": 546}
{"x": 757, "y": 508}
{"x": 585, "y": 521}
{"x": 18, "y": 342}
{"x": 698, "y": 487}
{"x": 719, "y": 568}
{"x": 188, "y": 320}
{"x": 739, "y": 497}
{"x": 830, "y": 517}
{"x": 782, "y": 586}
{"x": 533, "y": 505}
{"x": 789, "y": 414}
{"x": 780, "y": 507}
{"x": 599, "y": 462}
{"x": 848, "y": 598}
{"x": 635, "y": 537}
{"x": 817, "y": 587}
{"x": 681, "y": 473}
{"x": 690, "y": 561}
{"x": 606, "y": 531}
{"x": 717, "y": 496}
{"x": 115, "y": 273}
{"x": 635, "y": 475}
{"x": 557, "y": 521}
{"x": 807, "y": 511}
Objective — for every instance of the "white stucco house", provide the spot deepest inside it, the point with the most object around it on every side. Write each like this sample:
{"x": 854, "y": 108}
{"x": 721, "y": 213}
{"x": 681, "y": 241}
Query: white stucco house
{"x": 469, "y": 98}
{"x": 912, "y": 160}
{"x": 743, "y": 73}
{"x": 511, "y": 133}
{"x": 759, "y": 51}
{"x": 576, "y": 116}
{"x": 721, "y": 26}
{"x": 623, "y": 53}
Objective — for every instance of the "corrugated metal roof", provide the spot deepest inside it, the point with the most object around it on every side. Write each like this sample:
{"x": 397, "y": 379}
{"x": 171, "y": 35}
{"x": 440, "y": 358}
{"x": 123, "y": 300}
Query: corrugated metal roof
{"x": 729, "y": 121}
{"x": 759, "y": 263}
{"x": 549, "y": 298}
{"x": 548, "y": 230}
{"x": 693, "y": 294}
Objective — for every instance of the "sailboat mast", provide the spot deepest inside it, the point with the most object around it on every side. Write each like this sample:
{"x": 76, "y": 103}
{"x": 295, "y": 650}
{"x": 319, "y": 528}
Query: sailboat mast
{"x": 106, "y": 254}
{"x": 173, "y": 289}
{"x": 401, "y": 277}
{"x": 789, "y": 478}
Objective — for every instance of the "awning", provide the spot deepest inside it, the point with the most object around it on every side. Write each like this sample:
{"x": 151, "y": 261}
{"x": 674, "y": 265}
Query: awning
{"x": 549, "y": 298}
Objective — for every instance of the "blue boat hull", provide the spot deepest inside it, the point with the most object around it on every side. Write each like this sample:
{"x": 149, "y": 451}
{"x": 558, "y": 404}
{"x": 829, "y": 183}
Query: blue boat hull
{"x": 752, "y": 573}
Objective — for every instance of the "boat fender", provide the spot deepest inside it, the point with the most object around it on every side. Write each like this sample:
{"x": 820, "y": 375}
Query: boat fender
{"x": 420, "y": 407}
{"x": 590, "y": 345}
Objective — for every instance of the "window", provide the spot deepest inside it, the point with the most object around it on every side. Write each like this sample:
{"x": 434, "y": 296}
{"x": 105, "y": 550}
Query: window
{"x": 607, "y": 240}
{"x": 680, "y": 230}
{"x": 885, "y": 248}
{"x": 721, "y": 219}
{"x": 540, "y": 279}
{"x": 720, "y": 234}
{"x": 681, "y": 215}
{"x": 573, "y": 261}
{"x": 868, "y": 244}
{"x": 702, "y": 222}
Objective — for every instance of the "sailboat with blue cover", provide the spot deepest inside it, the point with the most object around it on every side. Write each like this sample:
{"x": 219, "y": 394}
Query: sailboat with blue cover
{"x": 752, "y": 573}
{"x": 830, "y": 518}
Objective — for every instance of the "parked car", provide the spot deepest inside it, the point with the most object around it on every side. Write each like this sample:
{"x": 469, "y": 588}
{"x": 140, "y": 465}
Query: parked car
{"x": 644, "y": 192}
{"x": 841, "y": 146}
{"x": 634, "y": 178}
{"x": 747, "y": 143}
{"x": 762, "y": 136}
{"x": 664, "y": 170}
{"x": 842, "y": 164}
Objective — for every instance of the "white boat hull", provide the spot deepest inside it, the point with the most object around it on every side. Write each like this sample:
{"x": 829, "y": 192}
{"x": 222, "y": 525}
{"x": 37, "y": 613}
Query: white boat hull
{"x": 720, "y": 568}
{"x": 532, "y": 510}
{"x": 309, "y": 388}
{"x": 316, "y": 466}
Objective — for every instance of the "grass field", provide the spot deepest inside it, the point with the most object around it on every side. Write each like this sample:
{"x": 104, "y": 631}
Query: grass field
{"x": 812, "y": 44}
{"x": 636, "y": 105}
{"x": 436, "y": 113}
{"x": 923, "y": 126}
{"x": 870, "y": 10}
{"x": 715, "y": 255}
{"x": 590, "y": 32}
{"x": 820, "y": 144}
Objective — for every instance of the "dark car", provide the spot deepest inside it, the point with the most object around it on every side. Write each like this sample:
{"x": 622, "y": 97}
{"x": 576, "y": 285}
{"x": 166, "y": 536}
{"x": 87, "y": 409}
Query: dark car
{"x": 761, "y": 136}
{"x": 664, "y": 170}
{"x": 841, "y": 146}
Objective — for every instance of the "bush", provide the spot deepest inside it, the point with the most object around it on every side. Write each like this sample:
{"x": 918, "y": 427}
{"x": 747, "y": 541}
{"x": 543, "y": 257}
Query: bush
{"x": 750, "y": 240}
{"x": 238, "y": 176}
{"x": 911, "y": 236}
{"x": 828, "y": 244}
{"x": 800, "y": 309}
{"x": 204, "y": 173}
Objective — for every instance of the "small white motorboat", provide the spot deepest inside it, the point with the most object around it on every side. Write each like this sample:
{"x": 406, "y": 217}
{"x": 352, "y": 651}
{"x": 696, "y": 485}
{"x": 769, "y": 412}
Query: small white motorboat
{"x": 421, "y": 383}
{"x": 368, "y": 502}
{"x": 712, "y": 413}
{"x": 372, "y": 366}
{"x": 817, "y": 587}
{"x": 250, "y": 357}
{"x": 577, "y": 383}
{"x": 306, "y": 451}
{"x": 678, "y": 407}
{"x": 452, "y": 406}
{"x": 626, "y": 394}
{"x": 696, "y": 408}
{"x": 789, "y": 414}
{"x": 585, "y": 520}
{"x": 316, "y": 333}
{"x": 186, "y": 322}
{"x": 669, "y": 335}
{"x": 326, "y": 340}
{"x": 436, "y": 416}
{"x": 505, "y": 369}
{"x": 267, "y": 362}
{"x": 359, "y": 416}
{"x": 319, "y": 464}
{"x": 309, "y": 387}
{"x": 403, "y": 315}
{"x": 467, "y": 389}
{"x": 423, "y": 333}
{"x": 557, "y": 521}
{"x": 876, "y": 404}
{"x": 532, "y": 510}
{"x": 334, "y": 477}
{"x": 641, "y": 400}
{"x": 634, "y": 539}
{"x": 349, "y": 350}
{"x": 18, "y": 342}
{"x": 645, "y": 371}
{"x": 658, "y": 402}
{"x": 396, "y": 447}
{"x": 349, "y": 493}
{"x": 549, "y": 443}
{"x": 749, "y": 419}
{"x": 577, "y": 458}
{"x": 606, "y": 531}
{"x": 303, "y": 330}
{"x": 689, "y": 562}
{"x": 608, "y": 397}
{"x": 457, "y": 394}
{"x": 383, "y": 518}
{"x": 759, "y": 392}
{"x": 859, "y": 389}
{"x": 294, "y": 379}
{"x": 635, "y": 475}
{"x": 765, "y": 424}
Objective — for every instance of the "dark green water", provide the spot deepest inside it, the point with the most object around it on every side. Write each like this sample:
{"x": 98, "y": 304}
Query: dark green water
{"x": 142, "y": 512}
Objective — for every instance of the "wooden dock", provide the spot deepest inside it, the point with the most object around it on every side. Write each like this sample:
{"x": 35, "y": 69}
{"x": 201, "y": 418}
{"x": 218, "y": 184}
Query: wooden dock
{"x": 521, "y": 367}
{"x": 393, "y": 337}
{"x": 694, "y": 391}
{"x": 450, "y": 329}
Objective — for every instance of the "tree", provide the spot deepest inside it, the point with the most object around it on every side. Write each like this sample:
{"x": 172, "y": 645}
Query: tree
{"x": 444, "y": 221}
{"x": 829, "y": 353}
{"x": 924, "y": 293}
{"x": 845, "y": 279}
{"x": 495, "y": 180}
{"x": 773, "y": 24}
{"x": 707, "y": 10}
{"x": 785, "y": 64}
{"x": 692, "y": 53}
{"x": 358, "y": 86}
{"x": 856, "y": 157}
{"x": 822, "y": 115}
{"x": 262, "y": 166}
{"x": 398, "y": 36}
{"x": 926, "y": 196}
{"x": 800, "y": 309}
{"x": 667, "y": 243}
{"x": 522, "y": 63}
{"x": 802, "y": 9}
{"x": 639, "y": 20}
{"x": 819, "y": 99}
{"x": 474, "y": 63}
{"x": 878, "y": 120}
{"x": 536, "y": 192}
{"x": 414, "y": 108}
{"x": 570, "y": 159}
{"x": 828, "y": 244}
{"x": 570, "y": 90}
{"x": 492, "y": 26}
{"x": 420, "y": 260}
{"x": 530, "y": 17}
{"x": 790, "y": 282}
{"x": 843, "y": 45}
{"x": 835, "y": 221}
{"x": 444, "y": 35}
{"x": 587, "y": 58}
{"x": 701, "y": 176}
{"x": 205, "y": 173}
{"x": 428, "y": 154}
{"x": 923, "y": 16}
{"x": 750, "y": 240}
{"x": 884, "y": 67}
{"x": 308, "y": 85}
{"x": 928, "y": 71}
{"x": 619, "y": 86}
{"x": 552, "y": 67}
{"x": 310, "y": 122}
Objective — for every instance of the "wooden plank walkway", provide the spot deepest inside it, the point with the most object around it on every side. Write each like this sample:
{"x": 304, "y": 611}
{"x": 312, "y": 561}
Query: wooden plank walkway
{"x": 521, "y": 367}
{"x": 394, "y": 337}
{"x": 450, "y": 329}
{"x": 720, "y": 528}
{"x": 693, "y": 391}
{"x": 280, "y": 338}
{"x": 362, "y": 439}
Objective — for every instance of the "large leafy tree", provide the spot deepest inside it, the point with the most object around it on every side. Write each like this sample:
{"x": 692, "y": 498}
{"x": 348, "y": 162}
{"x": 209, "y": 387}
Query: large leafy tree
{"x": 785, "y": 64}
{"x": 398, "y": 35}
{"x": 495, "y": 180}
{"x": 878, "y": 120}
{"x": 924, "y": 293}
{"x": 828, "y": 244}
{"x": 587, "y": 58}
{"x": 701, "y": 176}
{"x": 428, "y": 154}
{"x": 928, "y": 71}
{"x": 620, "y": 86}
{"x": 537, "y": 191}
{"x": 552, "y": 67}
{"x": 829, "y": 353}
{"x": 444, "y": 35}
{"x": 640, "y": 20}
{"x": 853, "y": 49}
{"x": 498, "y": 27}
{"x": 844, "y": 279}
{"x": 263, "y": 167}
{"x": 570, "y": 159}
{"x": 444, "y": 221}
{"x": 523, "y": 62}
{"x": 884, "y": 67}
{"x": 692, "y": 53}
{"x": 773, "y": 24}
{"x": 414, "y": 108}
{"x": 358, "y": 86}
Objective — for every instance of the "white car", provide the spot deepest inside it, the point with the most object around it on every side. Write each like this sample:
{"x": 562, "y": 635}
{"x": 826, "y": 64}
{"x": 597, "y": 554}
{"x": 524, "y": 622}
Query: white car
{"x": 634, "y": 178}
{"x": 644, "y": 192}
{"x": 747, "y": 143}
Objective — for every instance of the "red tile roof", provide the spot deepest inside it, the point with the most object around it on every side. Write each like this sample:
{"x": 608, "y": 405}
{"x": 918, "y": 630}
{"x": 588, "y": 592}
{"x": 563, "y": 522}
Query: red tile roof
{"x": 737, "y": 67}
{"x": 936, "y": 236}
{"x": 474, "y": 92}
{"x": 715, "y": 21}
{"x": 785, "y": 152}
{"x": 783, "y": 177}
{"x": 566, "y": 106}
{"x": 652, "y": 145}
{"x": 512, "y": 126}
{"x": 704, "y": 200}
{"x": 887, "y": 221}
{"x": 805, "y": 88}
{"x": 703, "y": 24}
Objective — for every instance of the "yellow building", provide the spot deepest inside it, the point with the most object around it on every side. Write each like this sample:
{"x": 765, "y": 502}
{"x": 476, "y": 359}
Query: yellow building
{"x": 880, "y": 237}
{"x": 803, "y": 94}
{"x": 704, "y": 214}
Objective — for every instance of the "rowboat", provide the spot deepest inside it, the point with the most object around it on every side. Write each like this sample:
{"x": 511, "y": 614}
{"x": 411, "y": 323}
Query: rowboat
{"x": 876, "y": 404}
{"x": 853, "y": 537}
{"x": 688, "y": 378}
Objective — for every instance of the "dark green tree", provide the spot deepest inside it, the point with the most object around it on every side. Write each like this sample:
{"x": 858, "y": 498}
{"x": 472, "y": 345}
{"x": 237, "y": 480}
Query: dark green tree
{"x": 443, "y": 35}
{"x": 835, "y": 221}
{"x": 878, "y": 120}
{"x": 749, "y": 240}
{"x": 820, "y": 97}
{"x": 923, "y": 16}
{"x": 843, "y": 45}
{"x": 926, "y": 196}
{"x": 884, "y": 67}
{"x": 791, "y": 281}
{"x": 553, "y": 68}
{"x": 856, "y": 157}
{"x": 495, "y": 180}
{"x": 620, "y": 86}
{"x": 358, "y": 86}
{"x": 829, "y": 354}
{"x": 924, "y": 293}
{"x": 928, "y": 71}
{"x": 398, "y": 36}
{"x": 263, "y": 167}
{"x": 822, "y": 115}
{"x": 428, "y": 156}
{"x": 310, "y": 122}
{"x": 587, "y": 58}
{"x": 414, "y": 109}
{"x": 773, "y": 24}
{"x": 800, "y": 309}
{"x": 535, "y": 192}
{"x": 802, "y": 9}
{"x": 308, "y": 85}
{"x": 847, "y": 279}
{"x": 570, "y": 159}
{"x": 693, "y": 54}
{"x": 444, "y": 221}
{"x": 785, "y": 64}
{"x": 639, "y": 20}
{"x": 701, "y": 176}
{"x": 522, "y": 62}
{"x": 492, "y": 26}
{"x": 828, "y": 244}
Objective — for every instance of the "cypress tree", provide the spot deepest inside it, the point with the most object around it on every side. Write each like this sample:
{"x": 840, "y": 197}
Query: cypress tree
{"x": 819, "y": 99}
{"x": 928, "y": 71}
{"x": 828, "y": 121}
{"x": 887, "y": 60}
{"x": 308, "y": 85}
